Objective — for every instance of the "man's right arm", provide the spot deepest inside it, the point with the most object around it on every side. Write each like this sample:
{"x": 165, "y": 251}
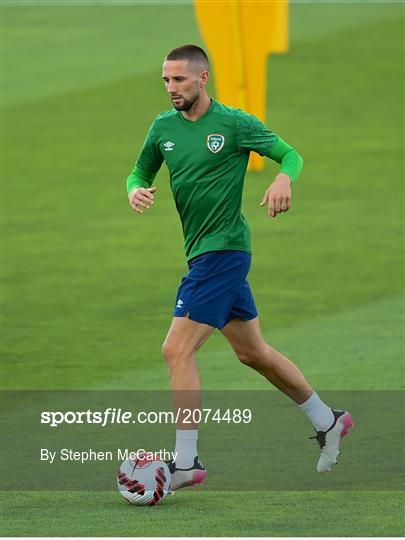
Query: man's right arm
{"x": 139, "y": 182}
{"x": 140, "y": 192}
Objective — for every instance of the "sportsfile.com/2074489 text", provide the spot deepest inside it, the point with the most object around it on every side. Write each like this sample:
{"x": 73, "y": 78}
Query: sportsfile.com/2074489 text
{"x": 113, "y": 415}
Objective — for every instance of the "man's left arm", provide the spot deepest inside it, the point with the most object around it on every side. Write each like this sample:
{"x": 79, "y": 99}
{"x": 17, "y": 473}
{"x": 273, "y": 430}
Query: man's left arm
{"x": 253, "y": 135}
{"x": 278, "y": 195}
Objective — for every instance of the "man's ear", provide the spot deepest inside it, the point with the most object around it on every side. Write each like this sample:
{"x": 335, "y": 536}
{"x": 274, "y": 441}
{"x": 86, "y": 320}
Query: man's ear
{"x": 204, "y": 78}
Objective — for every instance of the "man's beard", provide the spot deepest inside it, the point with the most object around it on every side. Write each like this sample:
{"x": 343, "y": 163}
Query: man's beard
{"x": 186, "y": 103}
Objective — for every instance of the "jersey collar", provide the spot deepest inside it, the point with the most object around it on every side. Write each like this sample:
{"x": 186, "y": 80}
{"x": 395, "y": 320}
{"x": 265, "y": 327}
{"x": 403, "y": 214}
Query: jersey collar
{"x": 208, "y": 111}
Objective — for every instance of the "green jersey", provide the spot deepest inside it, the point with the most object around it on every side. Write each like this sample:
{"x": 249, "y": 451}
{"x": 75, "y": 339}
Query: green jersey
{"x": 207, "y": 160}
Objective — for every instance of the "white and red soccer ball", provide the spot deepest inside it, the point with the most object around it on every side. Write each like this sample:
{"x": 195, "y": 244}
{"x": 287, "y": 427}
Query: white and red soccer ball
{"x": 143, "y": 480}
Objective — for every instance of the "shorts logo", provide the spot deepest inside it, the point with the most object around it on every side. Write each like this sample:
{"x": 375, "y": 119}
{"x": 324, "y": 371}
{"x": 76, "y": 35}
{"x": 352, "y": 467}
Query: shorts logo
{"x": 215, "y": 142}
{"x": 179, "y": 303}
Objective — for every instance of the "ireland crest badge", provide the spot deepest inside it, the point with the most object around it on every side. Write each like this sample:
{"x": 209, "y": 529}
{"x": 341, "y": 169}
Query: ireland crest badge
{"x": 215, "y": 142}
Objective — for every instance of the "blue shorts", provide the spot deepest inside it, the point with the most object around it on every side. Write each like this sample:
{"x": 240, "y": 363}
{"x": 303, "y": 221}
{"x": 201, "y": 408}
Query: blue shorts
{"x": 215, "y": 290}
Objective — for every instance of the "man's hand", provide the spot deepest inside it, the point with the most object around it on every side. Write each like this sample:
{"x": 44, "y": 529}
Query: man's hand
{"x": 278, "y": 195}
{"x": 141, "y": 198}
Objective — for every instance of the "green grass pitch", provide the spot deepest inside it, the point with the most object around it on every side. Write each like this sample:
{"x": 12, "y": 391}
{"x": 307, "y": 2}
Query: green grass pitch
{"x": 89, "y": 286}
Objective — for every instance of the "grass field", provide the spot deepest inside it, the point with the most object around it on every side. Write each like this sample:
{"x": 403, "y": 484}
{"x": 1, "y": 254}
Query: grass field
{"x": 89, "y": 287}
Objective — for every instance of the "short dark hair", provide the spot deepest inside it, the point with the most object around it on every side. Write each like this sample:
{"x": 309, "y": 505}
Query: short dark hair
{"x": 192, "y": 53}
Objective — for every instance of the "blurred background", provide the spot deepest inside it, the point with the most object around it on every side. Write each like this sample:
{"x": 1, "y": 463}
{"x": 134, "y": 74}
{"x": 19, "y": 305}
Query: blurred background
{"x": 89, "y": 286}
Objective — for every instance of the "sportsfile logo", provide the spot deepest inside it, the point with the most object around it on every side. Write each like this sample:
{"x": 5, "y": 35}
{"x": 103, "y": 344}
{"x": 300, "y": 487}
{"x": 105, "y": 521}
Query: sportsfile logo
{"x": 168, "y": 146}
{"x": 113, "y": 415}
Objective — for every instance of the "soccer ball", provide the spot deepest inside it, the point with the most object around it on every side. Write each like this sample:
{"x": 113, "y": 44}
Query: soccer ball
{"x": 143, "y": 480}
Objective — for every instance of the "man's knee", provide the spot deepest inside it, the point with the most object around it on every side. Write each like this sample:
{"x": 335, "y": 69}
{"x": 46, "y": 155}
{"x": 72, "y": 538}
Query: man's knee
{"x": 252, "y": 356}
{"x": 175, "y": 353}
{"x": 168, "y": 351}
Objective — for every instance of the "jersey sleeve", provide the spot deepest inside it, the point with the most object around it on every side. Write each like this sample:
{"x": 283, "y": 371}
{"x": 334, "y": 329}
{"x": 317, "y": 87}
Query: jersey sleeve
{"x": 290, "y": 161}
{"x": 252, "y": 134}
{"x": 148, "y": 163}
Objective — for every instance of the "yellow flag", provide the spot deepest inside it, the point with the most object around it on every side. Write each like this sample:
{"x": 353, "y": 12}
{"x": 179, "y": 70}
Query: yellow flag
{"x": 239, "y": 35}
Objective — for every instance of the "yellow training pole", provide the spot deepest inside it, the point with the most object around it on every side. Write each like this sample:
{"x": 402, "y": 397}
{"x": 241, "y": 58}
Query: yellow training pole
{"x": 240, "y": 34}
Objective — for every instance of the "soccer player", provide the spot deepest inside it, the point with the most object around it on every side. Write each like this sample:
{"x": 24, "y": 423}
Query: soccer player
{"x": 206, "y": 147}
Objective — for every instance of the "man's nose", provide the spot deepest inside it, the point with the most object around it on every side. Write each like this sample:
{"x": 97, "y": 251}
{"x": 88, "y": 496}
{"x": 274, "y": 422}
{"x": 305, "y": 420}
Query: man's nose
{"x": 171, "y": 87}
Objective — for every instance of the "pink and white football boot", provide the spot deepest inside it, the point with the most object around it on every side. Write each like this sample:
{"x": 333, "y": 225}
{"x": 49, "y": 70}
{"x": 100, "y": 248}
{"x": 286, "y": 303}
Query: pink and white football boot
{"x": 329, "y": 441}
{"x": 186, "y": 477}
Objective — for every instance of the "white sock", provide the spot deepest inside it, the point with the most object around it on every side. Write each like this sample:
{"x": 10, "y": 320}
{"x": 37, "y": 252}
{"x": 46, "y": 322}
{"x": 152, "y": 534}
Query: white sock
{"x": 186, "y": 448}
{"x": 318, "y": 412}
